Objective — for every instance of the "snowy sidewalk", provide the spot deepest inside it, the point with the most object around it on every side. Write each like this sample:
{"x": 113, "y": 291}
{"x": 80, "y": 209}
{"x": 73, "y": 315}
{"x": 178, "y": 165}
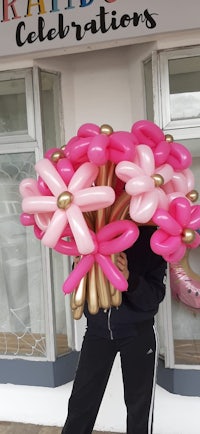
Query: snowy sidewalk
{"x": 174, "y": 414}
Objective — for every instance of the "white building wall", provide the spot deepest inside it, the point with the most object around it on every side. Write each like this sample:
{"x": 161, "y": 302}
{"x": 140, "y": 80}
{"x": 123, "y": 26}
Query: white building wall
{"x": 104, "y": 86}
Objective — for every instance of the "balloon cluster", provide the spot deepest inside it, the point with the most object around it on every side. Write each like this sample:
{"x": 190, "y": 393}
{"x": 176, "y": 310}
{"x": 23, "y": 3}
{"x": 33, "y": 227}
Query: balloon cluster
{"x": 92, "y": 195}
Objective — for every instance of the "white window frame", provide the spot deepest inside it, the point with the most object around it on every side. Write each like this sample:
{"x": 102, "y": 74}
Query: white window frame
{"x": 11, "y": 139}
{"x": 181, "y": 129}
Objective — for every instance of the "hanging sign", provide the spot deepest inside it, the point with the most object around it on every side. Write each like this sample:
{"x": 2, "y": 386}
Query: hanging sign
{"x": 33, "y": 26}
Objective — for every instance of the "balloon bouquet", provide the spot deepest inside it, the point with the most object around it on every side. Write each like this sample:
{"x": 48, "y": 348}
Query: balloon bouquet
{"x": 91, "y": 196}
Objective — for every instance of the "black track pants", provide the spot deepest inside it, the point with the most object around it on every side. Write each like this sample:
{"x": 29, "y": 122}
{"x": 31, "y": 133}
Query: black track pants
{"x": 138, "y": 362}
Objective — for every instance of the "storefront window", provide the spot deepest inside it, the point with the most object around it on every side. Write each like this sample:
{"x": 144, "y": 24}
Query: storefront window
{"x": 185, "y": 279}
{"x": 184, "y": 86}
{"x": 175, "y": 97}
{"x": 22, "y": 322}
{"x": 13, "y": 119}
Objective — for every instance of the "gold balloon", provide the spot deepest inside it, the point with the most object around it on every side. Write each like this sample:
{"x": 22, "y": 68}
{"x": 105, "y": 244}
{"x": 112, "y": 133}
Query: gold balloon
{"x": 120, "y": 208}
{"x": 78, "y": 312}
{"x": 106, "y": 129}
{"x": 193, "y": 195}
{"x": 158, "y": 179}
{"x": 116, "y": 298}
{"x": 188, "y": 236}
{"x": 80, "y": 292}
{"x": 64, "y": 200}
{"x": 57, "y": 156}
{"x": 103, "y": 290}
{"x": 169, "y": 138}
{"x": 92, "y": 297}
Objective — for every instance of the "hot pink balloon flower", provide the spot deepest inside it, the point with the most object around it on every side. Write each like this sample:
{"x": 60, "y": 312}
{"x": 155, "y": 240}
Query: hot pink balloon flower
{"x": 143, "y": 183}
{"x": 163, "y": 146}
{"x": 93, "y": 144}
{"x": 177, "y": 229}
{"x": 67, "y": 203}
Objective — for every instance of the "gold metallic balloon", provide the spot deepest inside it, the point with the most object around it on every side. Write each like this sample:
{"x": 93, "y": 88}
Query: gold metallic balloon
{"x": 188, "y": 236}
{"x": 120, "y": 208}
{"x": 193, "y": 195}
{"x": 64, "y": 200}
{"x": 169, "y": 138}
{"x": 106, "y": 129}
{"x": 158, "y": 179}
{"x": 92, "y": 297}
{"x": 78, "y": 312}
{"x": 57, "y": 156}
{"x": 80, "y": 292}
{"x": 102, "y": 288}
{"x": 116, "y": 298}
{"x": 72, "y": 303}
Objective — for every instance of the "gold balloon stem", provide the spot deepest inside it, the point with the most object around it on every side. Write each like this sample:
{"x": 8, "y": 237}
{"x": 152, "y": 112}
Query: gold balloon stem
{"x": 78, "y": 312}
{"x": 80, "y": 292}
{"x": 92, "y": 297}
{"x": 120, "y": 209}
{"x": 100, "y": 219}
{"x": 110, "y": 173}
{"x": 116, "y": 298}
{"x": 102, "y": 288}
{"x": 90, "y": 219}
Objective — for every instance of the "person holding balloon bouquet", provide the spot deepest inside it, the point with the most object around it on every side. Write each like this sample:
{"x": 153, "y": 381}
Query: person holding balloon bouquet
{"x": 120, "y": 203}
{"x": 130, "y": 330}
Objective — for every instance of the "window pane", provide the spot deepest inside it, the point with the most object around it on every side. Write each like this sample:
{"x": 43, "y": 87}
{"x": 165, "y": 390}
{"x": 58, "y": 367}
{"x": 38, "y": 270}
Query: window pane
{"x": 63, "y": 317}
{"x": 13, "y": 116}
{"x": 184, "y": 83}
{"x": 50, "y": 99}
{"x": 22, "y": 327}
{"x": 185, "y": 316}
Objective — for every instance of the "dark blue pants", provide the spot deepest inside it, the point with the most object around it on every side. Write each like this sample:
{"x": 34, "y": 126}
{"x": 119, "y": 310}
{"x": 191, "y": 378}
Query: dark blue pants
{"x": 138, "y": 362}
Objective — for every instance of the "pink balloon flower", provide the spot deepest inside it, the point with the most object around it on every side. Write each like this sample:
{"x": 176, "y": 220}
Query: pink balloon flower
{"x": 177, "y": 229}
{"x": 67, "y": 203}
{"x": 143, "y": 183}
{"x": 163, "y": 146}
{"x": 99, "y": 145}
{"x": 112, "y": 238}
{"x": 180, "y": 184}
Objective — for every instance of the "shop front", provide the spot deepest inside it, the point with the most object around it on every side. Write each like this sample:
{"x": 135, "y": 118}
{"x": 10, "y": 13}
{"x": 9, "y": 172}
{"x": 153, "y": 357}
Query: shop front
{"x": 65, "y": 64}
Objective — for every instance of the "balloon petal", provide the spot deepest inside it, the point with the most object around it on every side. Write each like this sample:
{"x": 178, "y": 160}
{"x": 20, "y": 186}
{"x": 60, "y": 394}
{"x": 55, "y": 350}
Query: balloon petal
{"x": 50, "y": 176}
{"x": 143, "y": 207}
{"x": 80, "y": 230}
{"x": 37, "y": 204}
{"x": 94, "y": 198}
{"x": 83, "y": 177}
{"x": 55, "y": 228}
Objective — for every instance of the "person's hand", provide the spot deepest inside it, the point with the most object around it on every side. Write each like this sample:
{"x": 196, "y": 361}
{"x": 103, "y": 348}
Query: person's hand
{"x": 122, "y": 263}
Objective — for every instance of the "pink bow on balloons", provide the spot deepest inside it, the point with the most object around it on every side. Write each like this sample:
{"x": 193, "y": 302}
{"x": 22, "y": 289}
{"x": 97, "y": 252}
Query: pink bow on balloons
{"x": 177, "y": 229}
{"x": 67, "y": 203}
{"x": 111, "y": 239}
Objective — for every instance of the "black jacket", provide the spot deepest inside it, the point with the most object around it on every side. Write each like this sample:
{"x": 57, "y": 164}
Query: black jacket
{"x": 146, "y": 289}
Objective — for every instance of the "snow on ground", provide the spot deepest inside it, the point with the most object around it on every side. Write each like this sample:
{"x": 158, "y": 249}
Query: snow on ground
{"x": 174, "y": 414}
